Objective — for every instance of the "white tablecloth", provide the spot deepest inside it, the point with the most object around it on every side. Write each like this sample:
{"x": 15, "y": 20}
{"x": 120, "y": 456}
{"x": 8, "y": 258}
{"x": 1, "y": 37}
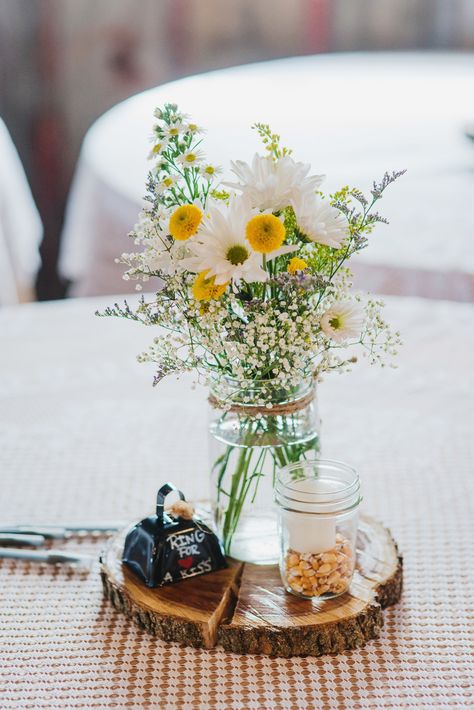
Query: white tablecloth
{"x": 84, "y": 435}
{"x": 20, "y": 227}
{"x": 352, "y": 116}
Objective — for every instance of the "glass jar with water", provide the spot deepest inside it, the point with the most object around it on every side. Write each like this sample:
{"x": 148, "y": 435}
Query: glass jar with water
{"x": 256, "y": 427}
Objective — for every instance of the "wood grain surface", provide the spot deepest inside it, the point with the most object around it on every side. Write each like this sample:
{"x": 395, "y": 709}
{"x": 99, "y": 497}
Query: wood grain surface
{"x": 245, "y": 608}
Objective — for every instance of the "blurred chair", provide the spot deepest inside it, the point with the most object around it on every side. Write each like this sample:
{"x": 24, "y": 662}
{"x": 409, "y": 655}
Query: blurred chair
{"x": 20, "y": 227}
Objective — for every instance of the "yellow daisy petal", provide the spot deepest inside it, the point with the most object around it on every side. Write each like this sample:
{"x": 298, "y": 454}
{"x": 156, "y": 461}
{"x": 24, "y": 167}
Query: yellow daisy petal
{"x": 184, "y": 222}
{"x": 296, "y": 264}
{"x": 205, "y": 289}
{"x": 265, "y": 233}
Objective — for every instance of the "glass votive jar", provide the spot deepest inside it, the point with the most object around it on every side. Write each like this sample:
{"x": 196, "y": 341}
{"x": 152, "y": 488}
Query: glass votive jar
{"x": 318, "y": 503}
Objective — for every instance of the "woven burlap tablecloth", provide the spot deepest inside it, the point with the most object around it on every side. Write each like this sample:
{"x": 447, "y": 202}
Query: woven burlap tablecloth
{"x": 84, "y": 435}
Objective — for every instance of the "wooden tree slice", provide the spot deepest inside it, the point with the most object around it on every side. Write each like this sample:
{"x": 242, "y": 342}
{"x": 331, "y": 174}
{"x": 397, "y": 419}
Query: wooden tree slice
{"x": 188, "y": 612}
{"x": 246, "y": 610}
{"x": 267, "y": 620}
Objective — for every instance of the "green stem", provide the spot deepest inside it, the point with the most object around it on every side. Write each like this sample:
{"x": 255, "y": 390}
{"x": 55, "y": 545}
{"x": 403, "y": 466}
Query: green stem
{"x": 247, "y": 472}
{"x": 232, "y": 513}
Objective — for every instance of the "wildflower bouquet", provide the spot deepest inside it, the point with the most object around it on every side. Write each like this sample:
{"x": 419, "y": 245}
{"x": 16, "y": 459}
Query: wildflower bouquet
{"x": 254, "y": 295}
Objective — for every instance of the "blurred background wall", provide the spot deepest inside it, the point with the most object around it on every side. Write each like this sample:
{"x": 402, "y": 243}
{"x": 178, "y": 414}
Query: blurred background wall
{"x": 64, "y": 62}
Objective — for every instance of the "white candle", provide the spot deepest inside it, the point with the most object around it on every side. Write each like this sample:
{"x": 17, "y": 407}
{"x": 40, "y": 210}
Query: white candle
{"x": 311, "y": 532}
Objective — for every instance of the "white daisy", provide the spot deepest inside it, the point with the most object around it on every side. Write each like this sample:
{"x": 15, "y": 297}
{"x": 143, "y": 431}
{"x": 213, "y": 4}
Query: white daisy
{"x": 194, "y": 128}
{"x": 191, "y": 158}
{"x": 209, "y": 171}
{"x": 159, "y": 146}
{"x": 319, "y": 221}
{"x": 174, "y": 129}
{"x": 273, "y": 185}
{"x": 166, "y": 183}
{"x": 342, "y": 321}
{"x": 221, "y": 249}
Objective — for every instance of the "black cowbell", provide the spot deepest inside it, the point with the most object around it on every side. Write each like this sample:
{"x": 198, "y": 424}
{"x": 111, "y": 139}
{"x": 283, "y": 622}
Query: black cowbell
{"x": 163, "y": 549}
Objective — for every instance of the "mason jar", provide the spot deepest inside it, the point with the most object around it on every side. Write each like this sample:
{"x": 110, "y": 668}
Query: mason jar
{"x": 318, "y": 505}
{"x": 256, "y": 427}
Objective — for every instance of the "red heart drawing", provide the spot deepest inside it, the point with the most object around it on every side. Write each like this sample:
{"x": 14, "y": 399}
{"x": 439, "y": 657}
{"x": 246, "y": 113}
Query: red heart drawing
{"x": 186, "y": 562}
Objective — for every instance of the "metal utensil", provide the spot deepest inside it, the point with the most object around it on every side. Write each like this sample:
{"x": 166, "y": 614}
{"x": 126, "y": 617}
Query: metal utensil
{"x": 62, "y": 532}
{"x": 21, "y": 539}
{"x": 51, "y": 558}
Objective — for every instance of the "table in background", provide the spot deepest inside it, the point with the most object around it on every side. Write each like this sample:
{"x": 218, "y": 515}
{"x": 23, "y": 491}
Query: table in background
{"x": 84, "y": 435}
{"x": 353, "y": 116}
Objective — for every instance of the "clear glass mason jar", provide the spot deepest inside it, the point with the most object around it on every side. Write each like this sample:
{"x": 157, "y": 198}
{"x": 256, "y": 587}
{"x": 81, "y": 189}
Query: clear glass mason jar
{"x": 318, "y": 505}
{"x": 256, "y": 427}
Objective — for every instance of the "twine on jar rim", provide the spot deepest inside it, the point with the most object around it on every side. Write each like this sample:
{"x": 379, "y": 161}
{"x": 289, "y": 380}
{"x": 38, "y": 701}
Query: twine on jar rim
{"x": 273, "y": 411}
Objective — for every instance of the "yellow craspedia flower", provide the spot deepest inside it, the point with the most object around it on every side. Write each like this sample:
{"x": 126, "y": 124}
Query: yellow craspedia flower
{"x": 296, "y": 264}
{"x": 184, "y": 222}
{"x": 265, "y": 233}
{"x": 206, "y": 289}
